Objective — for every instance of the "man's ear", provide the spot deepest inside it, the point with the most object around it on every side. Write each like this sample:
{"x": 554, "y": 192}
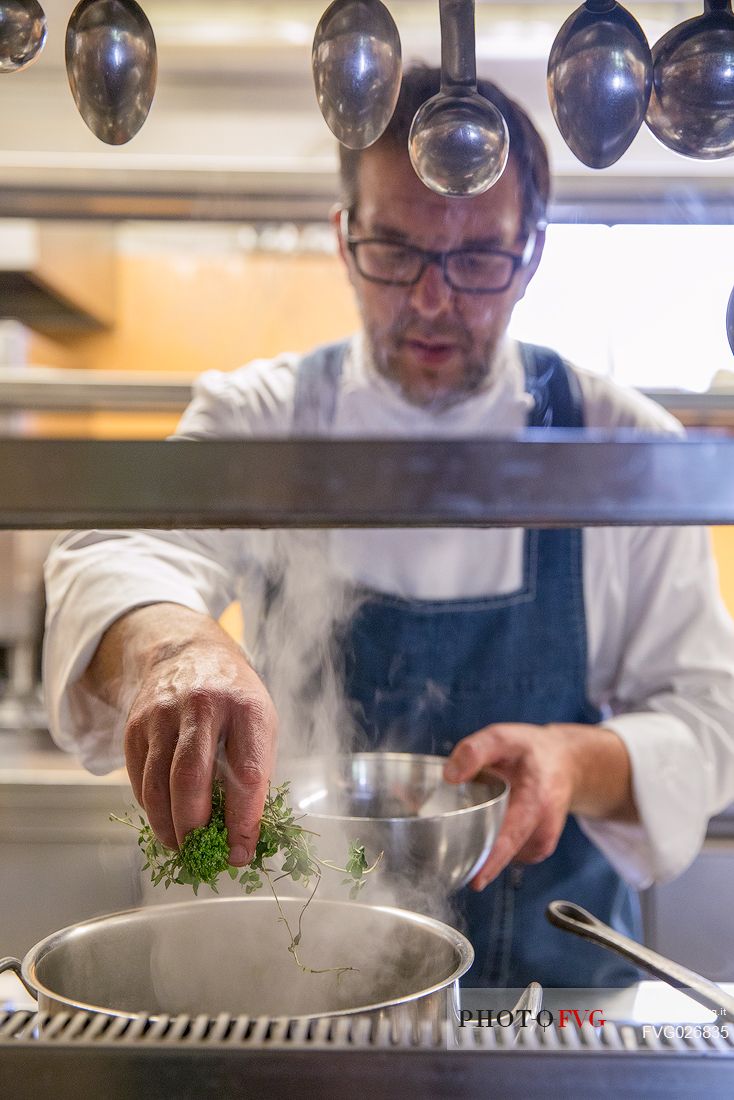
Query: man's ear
{"x": 335, "y": 217}
{"x": 528, "y": 272}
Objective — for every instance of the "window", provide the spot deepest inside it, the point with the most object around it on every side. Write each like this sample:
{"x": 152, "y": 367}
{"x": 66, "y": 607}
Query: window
{"x": 643, "y": 303}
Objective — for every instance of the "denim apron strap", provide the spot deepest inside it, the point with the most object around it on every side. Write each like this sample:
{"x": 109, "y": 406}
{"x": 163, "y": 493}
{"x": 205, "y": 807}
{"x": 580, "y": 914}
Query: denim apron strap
{"x": 554, "y": 388}
{"x": 317, "y": 388}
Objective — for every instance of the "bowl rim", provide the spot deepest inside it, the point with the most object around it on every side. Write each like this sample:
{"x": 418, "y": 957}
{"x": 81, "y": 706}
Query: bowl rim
{"x": 433, "y": 759}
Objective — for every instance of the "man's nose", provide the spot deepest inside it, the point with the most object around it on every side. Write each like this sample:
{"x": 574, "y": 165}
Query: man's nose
{"x": 431, "y": 295}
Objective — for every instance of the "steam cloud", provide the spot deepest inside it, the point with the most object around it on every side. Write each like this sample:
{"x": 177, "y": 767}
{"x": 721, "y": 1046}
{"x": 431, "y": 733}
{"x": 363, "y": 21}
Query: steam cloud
{"x": 299, "y": 650}
{"x": 309, "y": 604}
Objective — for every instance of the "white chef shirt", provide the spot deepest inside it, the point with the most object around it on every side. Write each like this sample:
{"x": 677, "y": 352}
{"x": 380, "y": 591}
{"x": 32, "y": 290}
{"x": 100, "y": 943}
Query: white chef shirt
{"x": 660, "y": 643}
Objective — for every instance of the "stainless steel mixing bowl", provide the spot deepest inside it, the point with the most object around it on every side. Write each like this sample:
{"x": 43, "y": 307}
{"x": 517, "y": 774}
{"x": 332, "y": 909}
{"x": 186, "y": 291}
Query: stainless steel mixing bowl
{"x": 432, "y": 833}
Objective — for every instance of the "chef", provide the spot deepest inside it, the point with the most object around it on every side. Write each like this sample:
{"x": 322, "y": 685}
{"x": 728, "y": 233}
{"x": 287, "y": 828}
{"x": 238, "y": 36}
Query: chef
{"x": 593, "y": 669}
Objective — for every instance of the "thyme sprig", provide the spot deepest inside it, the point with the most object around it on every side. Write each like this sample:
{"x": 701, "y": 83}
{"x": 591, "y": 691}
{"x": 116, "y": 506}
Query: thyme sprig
{"x": 204, "y": 856}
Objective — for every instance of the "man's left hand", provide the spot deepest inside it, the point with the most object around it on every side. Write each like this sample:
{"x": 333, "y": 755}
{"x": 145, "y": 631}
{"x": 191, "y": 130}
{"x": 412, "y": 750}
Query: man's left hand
{"x": 552, "y": 771}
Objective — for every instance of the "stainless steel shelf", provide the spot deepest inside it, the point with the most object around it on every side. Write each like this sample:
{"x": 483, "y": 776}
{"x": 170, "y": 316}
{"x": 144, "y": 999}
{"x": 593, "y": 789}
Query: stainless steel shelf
{"x": 60, "y": 389}
{"x": 55, "y": 389}
{"x": 537, "y": 479}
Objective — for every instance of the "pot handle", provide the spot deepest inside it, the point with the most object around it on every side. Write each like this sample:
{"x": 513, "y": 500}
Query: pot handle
{"x": 15, "y": 966}
{"x": 572, "y": 918}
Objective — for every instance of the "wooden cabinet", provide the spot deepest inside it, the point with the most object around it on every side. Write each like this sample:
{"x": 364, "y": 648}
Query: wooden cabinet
{"x": 57, "y": 277}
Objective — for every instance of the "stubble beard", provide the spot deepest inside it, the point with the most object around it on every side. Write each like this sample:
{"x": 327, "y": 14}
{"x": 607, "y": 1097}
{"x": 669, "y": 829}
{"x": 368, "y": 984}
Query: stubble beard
{"x": 476, "y": 372}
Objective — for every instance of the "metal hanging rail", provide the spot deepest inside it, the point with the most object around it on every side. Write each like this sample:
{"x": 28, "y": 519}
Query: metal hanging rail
{"x": 61, "y": 389}
{"x": 539, "y": 478}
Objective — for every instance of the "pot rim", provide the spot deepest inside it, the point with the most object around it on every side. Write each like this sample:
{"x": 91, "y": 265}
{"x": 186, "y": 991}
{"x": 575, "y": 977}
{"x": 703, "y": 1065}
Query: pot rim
{"x": 35, "y": 955}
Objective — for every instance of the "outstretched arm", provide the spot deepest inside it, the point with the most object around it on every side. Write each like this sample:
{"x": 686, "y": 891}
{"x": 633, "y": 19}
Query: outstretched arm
{"x": 191, "y": 690}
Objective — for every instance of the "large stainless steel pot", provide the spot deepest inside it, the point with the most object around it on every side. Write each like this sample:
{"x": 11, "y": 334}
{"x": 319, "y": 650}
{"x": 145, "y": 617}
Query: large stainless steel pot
{"x": 230, "y": 955}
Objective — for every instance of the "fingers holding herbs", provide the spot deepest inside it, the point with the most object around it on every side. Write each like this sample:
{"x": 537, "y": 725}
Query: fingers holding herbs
{"x": 249, "y": 749}
{"x": 191, "y": 701}
{"x": 205, "y": 855}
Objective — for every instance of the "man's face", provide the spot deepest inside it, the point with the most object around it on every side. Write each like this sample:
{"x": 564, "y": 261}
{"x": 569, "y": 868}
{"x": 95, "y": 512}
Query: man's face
{"x": 438, "y": 344}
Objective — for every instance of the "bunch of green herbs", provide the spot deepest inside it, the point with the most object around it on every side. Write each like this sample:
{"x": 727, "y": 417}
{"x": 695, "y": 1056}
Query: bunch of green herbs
{"x": 204, "y": 856}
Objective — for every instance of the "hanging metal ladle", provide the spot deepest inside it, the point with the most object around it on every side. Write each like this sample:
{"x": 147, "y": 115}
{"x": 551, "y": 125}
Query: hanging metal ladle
{"x": 22, "y": 33}
{"x": 112, "y": 66}
{"x": 458, "y": 141}
{"x": 357, "y": 67}
{"x": 691, "y": 108}
{"x": 599, "y": 81}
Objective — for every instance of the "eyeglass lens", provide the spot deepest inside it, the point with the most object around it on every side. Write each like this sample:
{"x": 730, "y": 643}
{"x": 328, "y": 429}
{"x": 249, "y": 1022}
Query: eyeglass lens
{"x": 403, "y": 266}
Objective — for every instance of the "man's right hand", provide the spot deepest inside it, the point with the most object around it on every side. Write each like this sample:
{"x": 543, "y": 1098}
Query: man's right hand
{"x": 195, "y": 691}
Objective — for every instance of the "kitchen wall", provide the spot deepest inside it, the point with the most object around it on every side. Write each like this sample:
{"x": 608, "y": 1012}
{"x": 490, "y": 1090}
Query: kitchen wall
{"x": 194, "y": 301}
{"x": 186, "y": 310}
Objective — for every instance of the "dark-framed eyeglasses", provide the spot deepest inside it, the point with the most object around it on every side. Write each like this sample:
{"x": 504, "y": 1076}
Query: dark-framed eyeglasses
{"x": 467, "y": 270}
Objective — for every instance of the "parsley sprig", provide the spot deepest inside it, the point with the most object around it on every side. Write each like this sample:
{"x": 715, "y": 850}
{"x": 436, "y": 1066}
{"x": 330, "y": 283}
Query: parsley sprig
{"x": 204, "y": 856}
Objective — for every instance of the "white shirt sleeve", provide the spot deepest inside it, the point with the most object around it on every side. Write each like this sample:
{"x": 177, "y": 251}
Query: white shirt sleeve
{"x": 671, "y": 698}
{"x": 661, "y": 663}
{"x": 95, "y": 577}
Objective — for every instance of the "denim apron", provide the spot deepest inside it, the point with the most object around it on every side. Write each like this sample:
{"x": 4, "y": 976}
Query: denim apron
{"x": 422, "y": 674}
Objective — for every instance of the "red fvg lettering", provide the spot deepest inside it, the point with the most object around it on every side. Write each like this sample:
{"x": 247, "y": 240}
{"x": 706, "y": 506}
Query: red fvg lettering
{"x": 594, "y": 1017}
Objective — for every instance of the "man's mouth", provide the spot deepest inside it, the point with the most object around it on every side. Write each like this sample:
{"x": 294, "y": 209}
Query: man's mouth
{"x": 430, "y": 351}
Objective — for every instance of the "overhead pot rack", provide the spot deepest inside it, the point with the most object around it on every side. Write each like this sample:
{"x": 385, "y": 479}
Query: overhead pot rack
{"x": 539, "y": 478}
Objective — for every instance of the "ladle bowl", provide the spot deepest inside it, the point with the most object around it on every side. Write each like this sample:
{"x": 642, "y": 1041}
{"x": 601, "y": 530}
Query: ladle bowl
{"x": 459, "y": 144}
{"x": 112, "y": 67}
{"x": 730, "y": 321}
{"x": 691, "y": 109}
{"x": 458, "y": 141}
{"x": 22, "y": 33}
{"x": 599, "y": 81}
{"x": 357, "y": 68}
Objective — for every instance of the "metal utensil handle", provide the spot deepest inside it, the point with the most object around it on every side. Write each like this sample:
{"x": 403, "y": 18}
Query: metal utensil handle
{"x": 458, "y": 45}
{"x": 572, "y": 918}
{"x": 530, "y": 1002}
{"x": 16, "y": 966}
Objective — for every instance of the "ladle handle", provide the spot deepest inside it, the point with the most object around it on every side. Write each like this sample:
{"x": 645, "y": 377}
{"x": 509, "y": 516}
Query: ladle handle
{"x": 572, "y": 918}
{"x": 458, "y": 45}
{"x": 16, "y": 966}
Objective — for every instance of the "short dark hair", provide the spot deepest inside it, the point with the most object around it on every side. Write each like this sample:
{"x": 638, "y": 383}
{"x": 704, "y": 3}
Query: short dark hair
{"x": 526, "y": 145}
